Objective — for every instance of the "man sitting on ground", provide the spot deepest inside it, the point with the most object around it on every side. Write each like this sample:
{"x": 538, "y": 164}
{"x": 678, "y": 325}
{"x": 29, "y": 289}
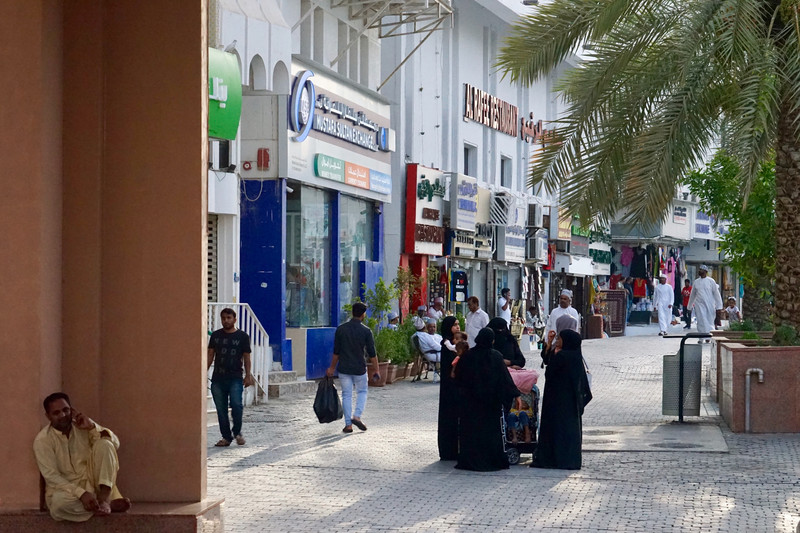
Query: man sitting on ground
{"x": 78, "y": 460}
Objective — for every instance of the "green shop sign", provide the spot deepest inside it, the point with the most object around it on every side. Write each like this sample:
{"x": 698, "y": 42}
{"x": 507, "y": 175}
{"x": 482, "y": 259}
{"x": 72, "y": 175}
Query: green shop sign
{"x": 224, "y": 94}
{"x": 329, "y": 167}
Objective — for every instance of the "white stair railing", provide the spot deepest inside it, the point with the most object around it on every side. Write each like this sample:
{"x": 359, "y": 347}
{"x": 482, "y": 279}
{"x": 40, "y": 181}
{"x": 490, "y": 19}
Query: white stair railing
{"x": 261, "y": 352}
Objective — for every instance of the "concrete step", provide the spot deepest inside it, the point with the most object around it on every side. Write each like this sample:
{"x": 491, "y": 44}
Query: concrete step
{"x": 279, "y": 390}
{"x": 282, "y": 376}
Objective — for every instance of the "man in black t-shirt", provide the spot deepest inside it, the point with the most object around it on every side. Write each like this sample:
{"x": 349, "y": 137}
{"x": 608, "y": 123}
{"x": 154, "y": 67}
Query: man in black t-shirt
{"x": 353, "y": 344}
{"x": 229, "y": 350}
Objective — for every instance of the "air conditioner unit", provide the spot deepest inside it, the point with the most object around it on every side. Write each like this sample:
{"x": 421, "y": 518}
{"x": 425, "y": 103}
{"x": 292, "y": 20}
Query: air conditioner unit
{"x": 501, "y": 209}
{"x": 536, "y": 249}
{"x": 535, "y": 216}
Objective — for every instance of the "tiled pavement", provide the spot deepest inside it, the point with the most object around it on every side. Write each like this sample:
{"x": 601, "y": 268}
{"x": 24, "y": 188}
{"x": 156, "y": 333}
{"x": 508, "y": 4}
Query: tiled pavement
{"x": 297, "y": 475}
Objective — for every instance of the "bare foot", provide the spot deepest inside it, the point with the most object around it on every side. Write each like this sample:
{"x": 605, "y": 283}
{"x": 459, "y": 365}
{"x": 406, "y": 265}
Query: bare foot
{"x": 103, "y": 509}
{"x": 120, "y": 505}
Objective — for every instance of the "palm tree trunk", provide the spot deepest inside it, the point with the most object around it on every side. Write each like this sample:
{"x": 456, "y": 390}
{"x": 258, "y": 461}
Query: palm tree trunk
{"x": 756, "y": 308}
{"x": 787, "y": 221}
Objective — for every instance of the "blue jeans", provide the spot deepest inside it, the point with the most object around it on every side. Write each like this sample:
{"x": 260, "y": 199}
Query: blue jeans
{"x": 347, "y": 381}
{"x": 518, "y": 420}
{"x": 221, "y": 390}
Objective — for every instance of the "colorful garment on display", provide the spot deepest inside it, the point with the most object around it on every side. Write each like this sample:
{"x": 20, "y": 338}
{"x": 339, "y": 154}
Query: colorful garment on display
{"x": 640, "y": 288}
{"x": 627, "y": 256}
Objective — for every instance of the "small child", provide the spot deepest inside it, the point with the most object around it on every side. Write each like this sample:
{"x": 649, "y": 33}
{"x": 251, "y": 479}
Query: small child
{"x": 519, "y": 418}
{"x": 461, "y": 347}
{"x": 457, "y": 336}
{"x": 732, "y": 311}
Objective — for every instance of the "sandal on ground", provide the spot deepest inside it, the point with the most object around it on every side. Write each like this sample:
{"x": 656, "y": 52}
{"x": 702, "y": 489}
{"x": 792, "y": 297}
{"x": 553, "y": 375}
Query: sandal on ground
{"x": 239, "y": 439}
{"x": 222, "y": 443}
{"x": 347, "y": 429}
{"x": 359, "y": 424}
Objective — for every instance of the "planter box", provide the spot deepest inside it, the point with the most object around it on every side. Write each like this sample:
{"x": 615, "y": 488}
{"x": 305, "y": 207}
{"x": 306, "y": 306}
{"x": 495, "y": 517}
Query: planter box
{"x": 716, "y": 360}
{"x": 391, "y": 374}
{"x": 383, "y": 369}
{"x": 728, "y": 334}
{"x": 774, "y": 404}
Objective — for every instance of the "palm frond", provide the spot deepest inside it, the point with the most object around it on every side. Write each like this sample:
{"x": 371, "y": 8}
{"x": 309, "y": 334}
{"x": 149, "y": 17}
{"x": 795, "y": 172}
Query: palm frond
{"x": 541, "y": 41}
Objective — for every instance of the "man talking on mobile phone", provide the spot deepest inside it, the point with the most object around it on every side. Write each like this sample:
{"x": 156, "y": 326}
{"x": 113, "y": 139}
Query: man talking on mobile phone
{"x": 353, "y": 345}
{"x": 78, "y": 460}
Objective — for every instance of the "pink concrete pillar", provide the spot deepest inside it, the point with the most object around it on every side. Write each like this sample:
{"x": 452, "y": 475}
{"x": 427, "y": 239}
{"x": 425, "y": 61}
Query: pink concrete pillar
{"x": 103, "y": 210}
{"x": 30, "y": 241}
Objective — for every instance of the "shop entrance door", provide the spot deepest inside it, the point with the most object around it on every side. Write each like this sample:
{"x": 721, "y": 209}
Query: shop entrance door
{"x": 500, "y": 282}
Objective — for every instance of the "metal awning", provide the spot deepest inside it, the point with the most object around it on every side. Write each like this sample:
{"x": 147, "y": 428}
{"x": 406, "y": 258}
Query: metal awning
{"x": 393, "y": 18}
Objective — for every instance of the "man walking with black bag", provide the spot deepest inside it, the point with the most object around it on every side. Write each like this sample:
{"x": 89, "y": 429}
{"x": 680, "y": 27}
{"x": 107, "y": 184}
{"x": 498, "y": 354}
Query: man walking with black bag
{"x": 352, "y": 341}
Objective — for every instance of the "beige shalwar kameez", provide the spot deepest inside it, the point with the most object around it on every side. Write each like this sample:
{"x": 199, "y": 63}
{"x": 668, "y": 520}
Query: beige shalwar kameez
{"x": 74, "y": 465}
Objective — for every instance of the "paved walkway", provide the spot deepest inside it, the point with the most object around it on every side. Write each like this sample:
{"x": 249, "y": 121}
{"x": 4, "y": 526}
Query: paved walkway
{"x": 297, "y": 475}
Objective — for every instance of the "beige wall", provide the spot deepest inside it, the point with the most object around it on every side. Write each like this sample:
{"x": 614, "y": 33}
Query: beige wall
{"x": 102, "y": 264}
{"x": 30, "y": 242}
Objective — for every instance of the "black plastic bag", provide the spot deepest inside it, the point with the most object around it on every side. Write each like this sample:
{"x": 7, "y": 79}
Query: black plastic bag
{"x": 327, "y": 405}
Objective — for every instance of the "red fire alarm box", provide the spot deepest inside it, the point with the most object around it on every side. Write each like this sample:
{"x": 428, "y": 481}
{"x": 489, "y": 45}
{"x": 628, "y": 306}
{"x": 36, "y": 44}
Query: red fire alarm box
{"x": 263, "y": 159}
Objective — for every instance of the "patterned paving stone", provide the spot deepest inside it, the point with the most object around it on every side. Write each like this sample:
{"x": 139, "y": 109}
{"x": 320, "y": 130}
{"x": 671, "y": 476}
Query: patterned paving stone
{"x": 297, "y": 475}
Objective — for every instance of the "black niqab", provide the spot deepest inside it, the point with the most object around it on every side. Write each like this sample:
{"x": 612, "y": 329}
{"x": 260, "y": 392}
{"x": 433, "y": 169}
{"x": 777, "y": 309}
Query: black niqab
{"x": 447, "y": 432}
{"x": 486, "y": 386}
{"x": 566, "y": 393}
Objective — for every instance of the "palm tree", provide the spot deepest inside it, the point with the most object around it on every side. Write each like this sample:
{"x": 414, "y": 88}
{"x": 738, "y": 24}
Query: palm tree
{"x": 660, "y": 82}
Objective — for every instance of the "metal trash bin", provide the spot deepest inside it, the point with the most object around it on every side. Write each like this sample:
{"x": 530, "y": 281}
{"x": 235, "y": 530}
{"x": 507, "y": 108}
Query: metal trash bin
{"x": 692, "y": 371}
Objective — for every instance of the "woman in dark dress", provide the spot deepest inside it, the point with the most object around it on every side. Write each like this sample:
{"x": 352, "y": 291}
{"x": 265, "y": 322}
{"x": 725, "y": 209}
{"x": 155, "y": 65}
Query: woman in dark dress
{"x": 448, "y": 396}
{"x": 506, "y": 343}
{"x": 566, "y": 393}
{"x": 549, "y": 348}
{"x": 485, "y": 386}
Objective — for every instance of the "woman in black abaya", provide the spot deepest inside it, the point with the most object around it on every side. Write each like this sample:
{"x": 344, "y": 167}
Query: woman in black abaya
{"x": 448, "y": 396}
{"x": 485, "y": 386}
{"x": 506, "y": 343}
{"x": 566, "y": 393}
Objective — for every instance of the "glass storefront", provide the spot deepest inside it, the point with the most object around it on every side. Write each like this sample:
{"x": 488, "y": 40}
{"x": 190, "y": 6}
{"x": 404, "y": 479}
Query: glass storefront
{"x": 308, "y": 256}
{"x": 355, "y": 244}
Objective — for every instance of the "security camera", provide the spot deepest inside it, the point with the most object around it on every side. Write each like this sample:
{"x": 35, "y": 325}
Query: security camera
{"x": 289, "y": 189}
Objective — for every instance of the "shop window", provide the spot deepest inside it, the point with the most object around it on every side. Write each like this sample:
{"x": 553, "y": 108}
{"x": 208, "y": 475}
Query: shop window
{"x": 505, "y": 172}
{"x": 219, "y": 154}
{"x": 308, "y": 256}
{"x": 355, "y": 244}
{"x": 470, "y": 160}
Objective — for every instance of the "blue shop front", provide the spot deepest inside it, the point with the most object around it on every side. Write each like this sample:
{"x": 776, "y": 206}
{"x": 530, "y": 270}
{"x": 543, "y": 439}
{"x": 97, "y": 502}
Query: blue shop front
{"x": 314, "y": 235}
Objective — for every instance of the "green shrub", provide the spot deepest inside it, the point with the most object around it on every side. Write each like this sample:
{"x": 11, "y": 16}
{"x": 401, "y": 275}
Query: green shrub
{"x": 744, "y": 325}
{"x": 392, "y": 345}
{"x": 785, "y": 336}
{"x": 751, "y": 336}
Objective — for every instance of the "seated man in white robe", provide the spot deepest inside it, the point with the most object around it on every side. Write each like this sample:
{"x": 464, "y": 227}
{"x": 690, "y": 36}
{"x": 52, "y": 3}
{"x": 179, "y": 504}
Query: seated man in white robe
{"x": 430, "y": 342}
